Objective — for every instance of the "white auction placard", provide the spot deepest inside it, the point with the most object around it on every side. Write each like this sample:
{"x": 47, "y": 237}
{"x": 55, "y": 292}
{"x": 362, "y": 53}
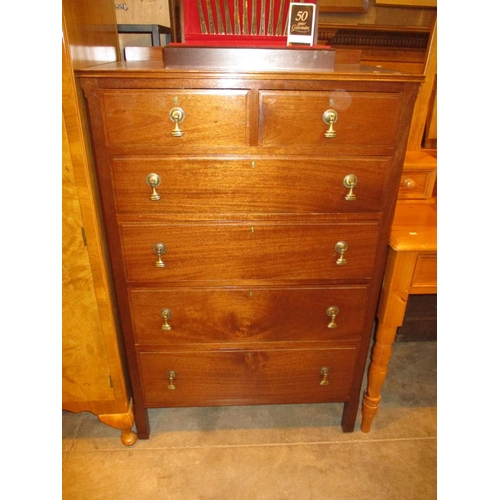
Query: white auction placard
{"x": 302, "y": 25}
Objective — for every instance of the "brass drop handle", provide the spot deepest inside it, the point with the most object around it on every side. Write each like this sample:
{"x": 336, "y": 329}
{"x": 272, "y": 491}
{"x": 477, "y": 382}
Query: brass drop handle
{"x": 324, "y": 373}
{"x": 159, "y": 249}
{"x": 332, "y": 311}
{"x": 349, "y": 182}
{"x": 153, "y": 181}
{"x": 177, "y": 115}
{"x": 166, "y": 314}
{"x": 409, "y": 184}
{"x": 341, "y": 248}
{"x": 330, "y": 117}
{"x": 171, "y": 376}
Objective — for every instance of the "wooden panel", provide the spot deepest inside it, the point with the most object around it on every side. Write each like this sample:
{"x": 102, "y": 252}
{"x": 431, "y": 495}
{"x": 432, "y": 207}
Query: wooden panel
{"x": 90, "y": 32}
{"x": 227, "y": 185}
{"x": 425, "y": 276}
{"x": 246, "y": 315}
{"x": 226, "y": 251}
{"x": 140, "y": 119}
{"x": 421, "y": 110}
{"x": 247, "y": 377}
{"x": 358, "y": 124}
{"x": 90, "y": 348}
{"x": 85, "y": 366}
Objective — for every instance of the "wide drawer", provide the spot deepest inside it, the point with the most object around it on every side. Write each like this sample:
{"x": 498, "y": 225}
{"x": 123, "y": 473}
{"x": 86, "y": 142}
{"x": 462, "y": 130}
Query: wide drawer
{"x": 135, "y": 119}
{"x": 204, "y": 378}
{"x": 182, "y": 316}
{"x": 241, "y": 185}
{"x": 253, "y": 251}
{"x": 295, "y": 119}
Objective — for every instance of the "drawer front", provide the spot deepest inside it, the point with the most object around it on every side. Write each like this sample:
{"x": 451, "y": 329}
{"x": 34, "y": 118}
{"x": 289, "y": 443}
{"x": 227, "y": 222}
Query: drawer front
{"x": 141, "y": 119}
{"x": 181, "y": 316}
{"x": 425, "y": 274}
{"x": 260, "y": 185}
{"x": 246, "y": 377}
{"x": 416, "y": 184}
{"x": 218, "y": 252}
{"x": 291, "y": 119}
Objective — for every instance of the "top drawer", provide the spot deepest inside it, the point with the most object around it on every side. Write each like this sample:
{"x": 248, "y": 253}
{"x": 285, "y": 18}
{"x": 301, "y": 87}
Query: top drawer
{"x": 145, "y": 119}
{"x": 300, "y": 119}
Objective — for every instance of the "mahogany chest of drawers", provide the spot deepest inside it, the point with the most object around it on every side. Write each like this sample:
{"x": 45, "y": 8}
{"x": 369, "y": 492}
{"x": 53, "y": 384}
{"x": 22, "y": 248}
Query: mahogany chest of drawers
{"x": 247, "y": 218}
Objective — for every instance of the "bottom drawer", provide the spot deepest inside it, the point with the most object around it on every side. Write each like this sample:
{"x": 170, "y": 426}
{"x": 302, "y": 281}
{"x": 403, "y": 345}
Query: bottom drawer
{"x": 213, "y": 378}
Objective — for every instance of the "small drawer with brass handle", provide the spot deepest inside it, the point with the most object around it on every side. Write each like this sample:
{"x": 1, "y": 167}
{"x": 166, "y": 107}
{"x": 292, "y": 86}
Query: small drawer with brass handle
{"x": 341, "y": 121}
{"x": 144, "y": 121}
{"x": 417, "y": 184}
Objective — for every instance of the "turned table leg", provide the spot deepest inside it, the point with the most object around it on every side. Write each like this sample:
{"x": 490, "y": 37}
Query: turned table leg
{"x": 391, "y": 311}
{"x": 124, "y": 422}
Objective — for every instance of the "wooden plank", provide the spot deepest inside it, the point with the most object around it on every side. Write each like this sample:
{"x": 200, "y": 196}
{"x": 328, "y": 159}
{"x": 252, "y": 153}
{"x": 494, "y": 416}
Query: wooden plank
{"x": 421, "y": 109}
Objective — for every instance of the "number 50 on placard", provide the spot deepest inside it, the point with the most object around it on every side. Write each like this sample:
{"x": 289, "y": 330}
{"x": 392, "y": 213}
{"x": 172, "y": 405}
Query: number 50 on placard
{"x": 302, "y": 25}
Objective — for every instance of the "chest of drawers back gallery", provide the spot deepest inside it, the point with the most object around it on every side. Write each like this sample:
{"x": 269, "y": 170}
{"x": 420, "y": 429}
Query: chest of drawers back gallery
{"x": 247, "y": 217}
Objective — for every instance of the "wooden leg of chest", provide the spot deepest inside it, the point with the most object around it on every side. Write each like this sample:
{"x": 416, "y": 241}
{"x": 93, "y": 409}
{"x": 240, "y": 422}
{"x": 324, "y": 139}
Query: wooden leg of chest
{"x": 349, "y": 414}
{"x": 124, "y": 422}
{"x": 391, "y": 311}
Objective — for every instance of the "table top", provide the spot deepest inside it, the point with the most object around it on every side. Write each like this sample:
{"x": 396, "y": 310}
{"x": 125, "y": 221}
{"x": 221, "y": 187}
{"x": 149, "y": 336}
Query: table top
{"x": 414, "y": 227}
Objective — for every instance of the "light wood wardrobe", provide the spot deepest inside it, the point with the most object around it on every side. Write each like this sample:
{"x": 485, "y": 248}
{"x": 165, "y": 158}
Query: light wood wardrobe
{"x": 93, "y": 371}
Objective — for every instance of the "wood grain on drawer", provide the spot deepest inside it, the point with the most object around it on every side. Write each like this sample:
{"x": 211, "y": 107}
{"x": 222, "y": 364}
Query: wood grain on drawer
{"x": 295, "y": 119}
{"x": 246, "y": 315}
{"x": 141, "y": 119}
{"x": 242, "y": 185}
{"x": 260, "y": 251}
{"x": 246, "y": 377}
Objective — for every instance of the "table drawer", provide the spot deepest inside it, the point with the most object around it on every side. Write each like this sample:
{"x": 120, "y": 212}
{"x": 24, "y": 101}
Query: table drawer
{"x": 425, "y": 273}
{"x": 181, "y": 316}
{"x": 258, "y": 251}
{"x": 140, "y": 119}
{"x": 242, "y": 185}
{"x": 295, "y": 119}
{"x": 416, "y": 184}
{"x": 246, "y": 377}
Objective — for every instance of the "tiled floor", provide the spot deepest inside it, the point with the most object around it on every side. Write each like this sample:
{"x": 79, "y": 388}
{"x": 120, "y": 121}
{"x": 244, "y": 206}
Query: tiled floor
{"x": 268, "y": 452}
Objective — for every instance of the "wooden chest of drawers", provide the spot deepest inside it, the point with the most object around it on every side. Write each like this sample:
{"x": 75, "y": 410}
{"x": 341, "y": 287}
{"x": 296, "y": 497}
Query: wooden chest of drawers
{"x": 247, "y": 230}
